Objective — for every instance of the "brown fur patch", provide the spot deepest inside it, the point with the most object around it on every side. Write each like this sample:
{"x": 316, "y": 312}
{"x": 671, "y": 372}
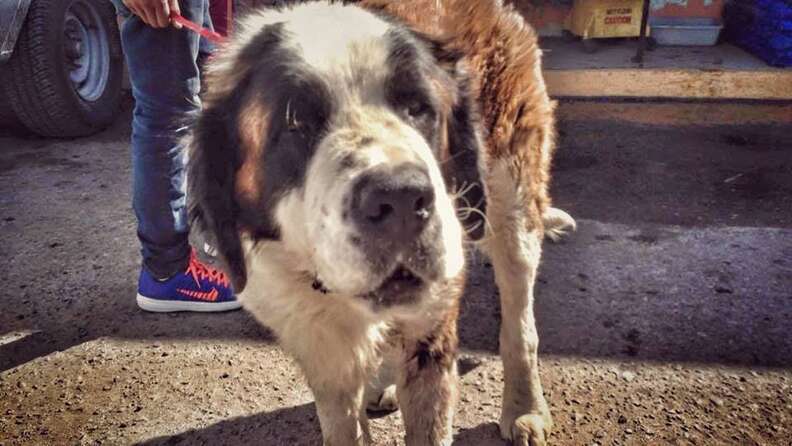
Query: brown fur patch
{"x": 253, "y": 119}
{"x": 447, "y": 95}
{"x": 428, "y": 387}
{"x": 425, "y": 16}
{"x": 437, "y": 350}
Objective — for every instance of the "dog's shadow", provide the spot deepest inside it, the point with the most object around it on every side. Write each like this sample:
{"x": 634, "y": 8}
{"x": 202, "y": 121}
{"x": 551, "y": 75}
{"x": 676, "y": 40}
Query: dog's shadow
{"x": 299, "y": 426}
{"x": 293, "y": 426}
{"x": 289, "y": 426}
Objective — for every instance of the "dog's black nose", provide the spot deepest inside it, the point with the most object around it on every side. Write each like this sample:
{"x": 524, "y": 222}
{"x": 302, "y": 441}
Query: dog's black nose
{"x": 394, "y": 204}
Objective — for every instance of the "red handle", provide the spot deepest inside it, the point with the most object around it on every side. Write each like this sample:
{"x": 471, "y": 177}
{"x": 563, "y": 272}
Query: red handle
{"x": 194, "y": 27}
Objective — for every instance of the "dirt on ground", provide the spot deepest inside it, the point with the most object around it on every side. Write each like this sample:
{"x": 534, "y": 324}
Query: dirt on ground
{"x": 665, "y": 319}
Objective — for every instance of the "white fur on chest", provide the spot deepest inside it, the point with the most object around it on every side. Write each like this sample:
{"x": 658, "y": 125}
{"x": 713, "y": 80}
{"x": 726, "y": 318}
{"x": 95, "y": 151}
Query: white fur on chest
{"x": 328, "y": 330}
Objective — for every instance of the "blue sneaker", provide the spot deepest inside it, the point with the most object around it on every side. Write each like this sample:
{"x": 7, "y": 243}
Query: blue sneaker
{"x": 199, "y": 288}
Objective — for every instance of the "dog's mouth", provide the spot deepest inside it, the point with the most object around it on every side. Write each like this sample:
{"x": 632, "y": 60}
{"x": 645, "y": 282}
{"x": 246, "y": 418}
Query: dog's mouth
{"x": 401, "y": 280}
{"x": 400, "y": 287}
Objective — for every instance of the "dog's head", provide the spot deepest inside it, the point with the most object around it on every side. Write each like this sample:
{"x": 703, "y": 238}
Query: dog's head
{"x": 346, "y": 138}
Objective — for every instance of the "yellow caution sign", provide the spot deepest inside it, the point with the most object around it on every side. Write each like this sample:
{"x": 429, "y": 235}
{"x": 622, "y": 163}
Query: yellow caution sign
{"x": 593, "y": 19}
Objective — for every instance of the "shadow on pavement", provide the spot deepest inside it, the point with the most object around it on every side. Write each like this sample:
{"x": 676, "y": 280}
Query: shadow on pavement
{"x": 108, "y": 315}
{"x": 293, "y": 426}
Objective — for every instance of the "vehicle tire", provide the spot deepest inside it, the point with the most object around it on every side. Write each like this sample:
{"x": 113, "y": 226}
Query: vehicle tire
{"x": 64, "y": 76}
{"x": 8, "y": 119}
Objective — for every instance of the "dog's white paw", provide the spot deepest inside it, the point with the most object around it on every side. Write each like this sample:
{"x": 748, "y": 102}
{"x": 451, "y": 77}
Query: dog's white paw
{"x": 385, "y": 401}
{"x": 557, "y": 224}
{"x": 529, "y": 429}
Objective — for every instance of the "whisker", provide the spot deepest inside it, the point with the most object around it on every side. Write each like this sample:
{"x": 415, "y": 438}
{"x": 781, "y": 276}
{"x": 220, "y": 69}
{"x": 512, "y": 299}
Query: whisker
{"x": 470, "y": 229}
{"x": 467, "y": 188}
{"x": 451, "y": 158}
{"x": 484, "y": 219}
{"x": 464, "y": 212}
{"x": 456, "y": 192}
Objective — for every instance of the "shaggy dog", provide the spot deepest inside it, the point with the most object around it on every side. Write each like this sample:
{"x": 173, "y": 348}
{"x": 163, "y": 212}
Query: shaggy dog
{"x": 344, "y": 156}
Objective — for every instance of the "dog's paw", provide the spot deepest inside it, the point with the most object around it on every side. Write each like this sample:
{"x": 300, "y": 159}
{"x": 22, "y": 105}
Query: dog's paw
{"x": 386, "y": 401}
{"x": 529, "y": 429}
{"x": 557, "y": 224}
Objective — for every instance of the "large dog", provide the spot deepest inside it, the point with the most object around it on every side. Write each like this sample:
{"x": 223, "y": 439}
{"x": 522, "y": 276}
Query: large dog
{"x": 344, "y": 157}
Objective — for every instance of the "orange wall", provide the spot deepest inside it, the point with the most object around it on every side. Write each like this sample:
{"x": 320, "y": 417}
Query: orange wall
{"x": 547, "y": 19}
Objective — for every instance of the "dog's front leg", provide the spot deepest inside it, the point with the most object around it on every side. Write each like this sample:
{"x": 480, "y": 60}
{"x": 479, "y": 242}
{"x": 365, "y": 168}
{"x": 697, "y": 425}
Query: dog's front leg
{"x": 515, "y": 247}
{"x": 525, "y": 417}
{"x": 427, "y": 388}
{"x": 341, "y": 415}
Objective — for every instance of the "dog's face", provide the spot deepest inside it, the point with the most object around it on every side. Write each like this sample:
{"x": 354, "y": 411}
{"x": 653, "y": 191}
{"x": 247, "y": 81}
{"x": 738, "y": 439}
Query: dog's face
{"x": 346, "y": 138}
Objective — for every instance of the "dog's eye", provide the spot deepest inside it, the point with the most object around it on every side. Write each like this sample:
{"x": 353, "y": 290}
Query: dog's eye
{"x": 303, "y": 119}
{"x": 417, "y": 108}
{"x": 292, "y": 123}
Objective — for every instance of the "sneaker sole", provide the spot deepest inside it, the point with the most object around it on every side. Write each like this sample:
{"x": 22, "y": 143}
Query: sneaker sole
{"x": 169, "y": 306}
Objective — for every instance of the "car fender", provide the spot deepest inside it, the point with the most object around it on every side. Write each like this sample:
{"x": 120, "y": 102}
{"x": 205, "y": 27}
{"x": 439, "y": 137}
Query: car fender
{"x": 12, "y": 16}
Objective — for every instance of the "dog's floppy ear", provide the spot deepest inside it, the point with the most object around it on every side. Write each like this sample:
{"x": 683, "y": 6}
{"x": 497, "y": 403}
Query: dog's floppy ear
{"x": 465, "y": 143}
{"x": 213, "y": 162}
{"x": 225, "y": 187}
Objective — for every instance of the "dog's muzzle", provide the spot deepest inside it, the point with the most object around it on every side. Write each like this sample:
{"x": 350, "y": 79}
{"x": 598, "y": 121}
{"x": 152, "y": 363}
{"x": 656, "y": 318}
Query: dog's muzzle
{"x": 393, "y": 210}
{"x": 393, "y": 206}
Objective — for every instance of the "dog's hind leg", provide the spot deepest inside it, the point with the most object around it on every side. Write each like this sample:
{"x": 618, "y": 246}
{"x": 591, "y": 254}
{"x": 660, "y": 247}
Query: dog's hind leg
{"x": 380, "y": 393}
{"x": 381, "y": 398}
{"x": 514, "y": 246}
{"x": 427, "y": 387}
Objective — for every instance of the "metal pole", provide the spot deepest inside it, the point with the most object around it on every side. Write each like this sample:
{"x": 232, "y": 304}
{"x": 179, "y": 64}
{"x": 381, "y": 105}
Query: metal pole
{"x": 639, "y": 56}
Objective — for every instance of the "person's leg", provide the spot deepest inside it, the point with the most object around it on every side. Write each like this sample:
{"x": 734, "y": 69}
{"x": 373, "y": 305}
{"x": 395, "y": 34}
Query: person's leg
{"x": 165, "y": 84}
{"x": 205, "y": 47}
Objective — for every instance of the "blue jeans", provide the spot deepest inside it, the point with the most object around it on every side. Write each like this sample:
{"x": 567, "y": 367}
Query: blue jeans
{"x": 165, "y": 84}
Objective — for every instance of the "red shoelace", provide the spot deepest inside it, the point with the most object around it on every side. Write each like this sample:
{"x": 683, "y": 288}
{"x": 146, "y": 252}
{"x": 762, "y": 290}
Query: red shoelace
{"x": 200, "y": 270}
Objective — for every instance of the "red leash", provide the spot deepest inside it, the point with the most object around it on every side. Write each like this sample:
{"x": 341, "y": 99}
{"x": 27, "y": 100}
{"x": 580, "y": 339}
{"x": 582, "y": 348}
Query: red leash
{"x": 194, "y": 27}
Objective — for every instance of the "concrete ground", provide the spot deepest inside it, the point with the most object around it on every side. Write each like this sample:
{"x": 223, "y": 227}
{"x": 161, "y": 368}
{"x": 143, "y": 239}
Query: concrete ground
{"x": 708, "y": 72}
{"x": 666, "y": 319}
{"x": 565, "y": 54}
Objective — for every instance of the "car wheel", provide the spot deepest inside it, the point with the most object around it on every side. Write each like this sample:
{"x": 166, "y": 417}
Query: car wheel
{"x": 8, "y": 118}
{"x": 64, "y": 77}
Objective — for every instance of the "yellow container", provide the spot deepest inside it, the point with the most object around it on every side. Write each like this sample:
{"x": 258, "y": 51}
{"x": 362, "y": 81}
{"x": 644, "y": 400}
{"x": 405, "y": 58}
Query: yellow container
{"x": 593, "y": 19}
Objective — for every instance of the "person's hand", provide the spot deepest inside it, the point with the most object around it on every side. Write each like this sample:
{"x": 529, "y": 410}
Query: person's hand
{"x": 154, "y": 13}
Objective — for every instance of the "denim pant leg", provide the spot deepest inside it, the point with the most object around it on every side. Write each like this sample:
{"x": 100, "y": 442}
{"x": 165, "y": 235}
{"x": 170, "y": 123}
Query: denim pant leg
{"x": 205, "y": 47}
{"x": 165, "y": 83}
